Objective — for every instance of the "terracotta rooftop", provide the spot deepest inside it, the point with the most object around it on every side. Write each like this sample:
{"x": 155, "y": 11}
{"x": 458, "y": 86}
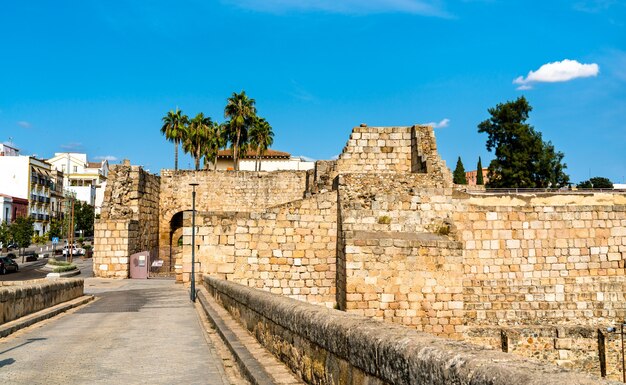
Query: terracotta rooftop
{"x": 94, "y": 164}
{"x": 251, "y": 154}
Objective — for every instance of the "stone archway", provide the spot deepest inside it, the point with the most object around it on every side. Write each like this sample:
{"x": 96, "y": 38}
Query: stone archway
{"x": 175, "y": 232}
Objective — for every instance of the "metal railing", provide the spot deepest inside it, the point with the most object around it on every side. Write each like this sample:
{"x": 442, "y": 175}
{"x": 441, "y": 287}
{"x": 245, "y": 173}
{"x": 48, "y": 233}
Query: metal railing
{"x": 546, "y": 191}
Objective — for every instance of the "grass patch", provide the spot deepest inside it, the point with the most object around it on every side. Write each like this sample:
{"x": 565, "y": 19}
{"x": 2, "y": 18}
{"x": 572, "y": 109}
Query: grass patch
{"x": 62, "y": 269}
{"x": 54, "y": 262}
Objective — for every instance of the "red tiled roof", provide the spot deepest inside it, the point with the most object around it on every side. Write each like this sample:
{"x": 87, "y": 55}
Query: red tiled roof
{"x": 251, "y": 154}
{"x": 94, "y": 164}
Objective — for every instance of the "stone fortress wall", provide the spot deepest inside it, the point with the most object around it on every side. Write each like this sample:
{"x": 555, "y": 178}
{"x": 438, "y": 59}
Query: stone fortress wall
{"x": 218, "y": 192}
{"x": 129, "y": 221}
{"x": 382, "y": 232}
{"x": 289, "y": 249}
{"x": 544, "y": 275}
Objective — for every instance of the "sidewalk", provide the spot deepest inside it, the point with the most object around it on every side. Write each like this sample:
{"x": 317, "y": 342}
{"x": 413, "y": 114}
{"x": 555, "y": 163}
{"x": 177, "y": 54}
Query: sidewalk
{"x": 135, "y": 332}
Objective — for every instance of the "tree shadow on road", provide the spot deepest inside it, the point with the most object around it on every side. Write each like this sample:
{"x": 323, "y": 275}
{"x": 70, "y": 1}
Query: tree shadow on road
{"x": 28, "y": 341}
{"x": 8, "y": 361}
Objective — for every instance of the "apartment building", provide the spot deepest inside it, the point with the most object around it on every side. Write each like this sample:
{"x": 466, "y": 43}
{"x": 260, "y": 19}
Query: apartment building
{"x": 85, "y": 179}
{"x": 28, "y": 178}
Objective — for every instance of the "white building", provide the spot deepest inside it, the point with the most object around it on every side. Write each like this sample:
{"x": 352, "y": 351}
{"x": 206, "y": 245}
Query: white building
{"x": 271, "y": 160}
{"x": 6, "y": 208}
{"x": 6, "y": 150}
{"x": 28, "y": 178}
{"x": 86, "y": 179}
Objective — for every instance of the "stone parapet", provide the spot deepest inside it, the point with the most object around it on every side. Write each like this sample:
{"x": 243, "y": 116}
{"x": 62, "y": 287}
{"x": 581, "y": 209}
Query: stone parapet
{"x": 326, "y": 346}
{"x": 19, "y": 300}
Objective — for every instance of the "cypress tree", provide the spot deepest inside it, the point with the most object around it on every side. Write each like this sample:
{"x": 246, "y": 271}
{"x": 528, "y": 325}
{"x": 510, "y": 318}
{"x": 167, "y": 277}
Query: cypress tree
{"x": 458, "y": 177}
{"x": 479, "y": 173}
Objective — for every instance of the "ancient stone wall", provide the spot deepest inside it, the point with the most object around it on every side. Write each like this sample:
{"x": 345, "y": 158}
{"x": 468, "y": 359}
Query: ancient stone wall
{"x": 548, "y": 263}
{"x": 326, "y": 346}
{"x": 594, "y": 350}
{"x": 397, "y": 260}
{"x": 533, "y": 260}
{"x": 392, "y": 150}
{"x": 224, "y": 191}
{"x": 289, "y": 249}
{"x": 129, "y": 220}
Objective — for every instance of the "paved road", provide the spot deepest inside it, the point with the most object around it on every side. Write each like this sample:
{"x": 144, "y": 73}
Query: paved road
{"x": 34, "y": 270}
{"x": 136, "y": 332}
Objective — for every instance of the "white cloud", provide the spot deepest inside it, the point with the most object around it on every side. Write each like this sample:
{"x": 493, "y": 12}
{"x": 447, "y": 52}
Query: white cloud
{"x": 442, "y": 124}
{"x": 418, "y": 7}
{"x": 559, "y": 71}
{"x": 24, "y": 124}
{"x": 110, "y": 158}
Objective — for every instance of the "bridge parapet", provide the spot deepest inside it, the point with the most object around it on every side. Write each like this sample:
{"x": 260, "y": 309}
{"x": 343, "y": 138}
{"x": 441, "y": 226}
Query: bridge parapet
{"x": 22, "y": 298}
{"x": 326, "y": 346}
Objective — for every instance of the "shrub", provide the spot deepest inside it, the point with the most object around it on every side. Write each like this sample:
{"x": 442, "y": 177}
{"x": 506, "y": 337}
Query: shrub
{"x": 54, "y": 262}
{"x": 384, "y": 220}
{"x": 61, "y": 269}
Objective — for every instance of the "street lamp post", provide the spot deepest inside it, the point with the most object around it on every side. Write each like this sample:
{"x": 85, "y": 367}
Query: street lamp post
{"x": 193, "y": 242}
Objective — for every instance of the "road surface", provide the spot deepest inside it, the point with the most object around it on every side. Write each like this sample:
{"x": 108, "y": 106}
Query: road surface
{"x": 136, "y": 332}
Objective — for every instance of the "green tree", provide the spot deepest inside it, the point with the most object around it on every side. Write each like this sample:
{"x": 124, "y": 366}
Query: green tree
{"x": 261, "y": 137}
{"x": 596, "y": 182}
{"x": 217, "y": 139}
{"x": 241, "y": 111}
{"x": 22, "y": 233}
{"x": 196, "y": 140}
{"x": 5, "y": 234}
{"x": 56, "y": 228}
{"x": 523, "y": 159}
{"x": 173, "y": 128}
{"x": 84, "y": 217}
{"x": 458, "y": 176}
{"x": 479, "y": 173}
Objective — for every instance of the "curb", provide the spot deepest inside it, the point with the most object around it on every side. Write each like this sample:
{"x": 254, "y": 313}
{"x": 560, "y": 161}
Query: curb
{"x": 64, "y": 274}
{"x": 244, "y": 351}
{"x": 31, "y": 319}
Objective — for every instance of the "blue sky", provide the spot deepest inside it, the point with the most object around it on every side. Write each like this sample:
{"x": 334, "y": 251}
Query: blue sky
{"x": 97, "y": 76}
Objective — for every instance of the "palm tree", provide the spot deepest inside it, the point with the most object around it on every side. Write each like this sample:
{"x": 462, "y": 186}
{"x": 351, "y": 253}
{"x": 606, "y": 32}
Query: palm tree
{"x": 261, "y": 137}
{"x": 216, "y": 139}
{"x": 174, "y": 124}
{"x": 197, "y": 137}
{"x": 241, "y": 111}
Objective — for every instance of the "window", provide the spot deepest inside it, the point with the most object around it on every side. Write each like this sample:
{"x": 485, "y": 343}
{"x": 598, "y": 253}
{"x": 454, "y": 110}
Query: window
{"x": 75, "y": 169}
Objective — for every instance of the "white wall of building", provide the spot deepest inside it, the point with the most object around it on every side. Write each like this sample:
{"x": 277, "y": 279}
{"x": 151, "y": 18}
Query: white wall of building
{"x": 100, "y": 197}
{"x": 84, "y": 193}
{"x": 77, "y": 170}
{"x": 267, "y": 164}
{"x": 6, "y": 150}
{"x": 6, "y": 209}
{"x": 14, "y": 176}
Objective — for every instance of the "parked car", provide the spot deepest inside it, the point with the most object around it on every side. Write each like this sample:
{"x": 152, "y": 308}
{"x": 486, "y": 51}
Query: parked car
{"x": 75, "y": 250}
{"x": 12, "y": 245}
{"x": 7, "y": 264}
